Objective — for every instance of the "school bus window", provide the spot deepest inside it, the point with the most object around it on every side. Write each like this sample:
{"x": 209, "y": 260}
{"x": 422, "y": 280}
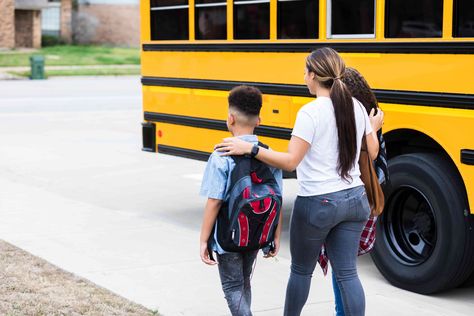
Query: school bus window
{"x": 463, "y": 18}
{"x": 408, "y": 18}
{"x": 297, "y": 19}
{"x": 169, "y": 20}
{"x": 211, "y": 19}
{"x": 351, "y": 18}
{"x": 252, "y": 19}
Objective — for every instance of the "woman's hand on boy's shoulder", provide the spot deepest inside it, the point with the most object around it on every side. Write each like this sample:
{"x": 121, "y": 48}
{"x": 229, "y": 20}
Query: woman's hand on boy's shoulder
{"x": 204, "y": 252}
{"x": 233, "y": 146}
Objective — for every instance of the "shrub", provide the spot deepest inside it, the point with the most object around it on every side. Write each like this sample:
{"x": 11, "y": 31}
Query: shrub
{"x": 50, "y": 40}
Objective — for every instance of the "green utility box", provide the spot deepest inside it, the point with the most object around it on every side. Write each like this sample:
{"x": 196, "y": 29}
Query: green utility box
{"x": 37, "y": 67}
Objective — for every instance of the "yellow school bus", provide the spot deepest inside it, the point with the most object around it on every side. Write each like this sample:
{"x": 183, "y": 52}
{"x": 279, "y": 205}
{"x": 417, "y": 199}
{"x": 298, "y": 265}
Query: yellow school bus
{"x": 417, "y": 55}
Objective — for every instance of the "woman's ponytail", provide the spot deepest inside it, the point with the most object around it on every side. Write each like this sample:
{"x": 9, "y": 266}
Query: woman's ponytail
{"x": 346, "y": 131}
{"x": 329, "y": 68}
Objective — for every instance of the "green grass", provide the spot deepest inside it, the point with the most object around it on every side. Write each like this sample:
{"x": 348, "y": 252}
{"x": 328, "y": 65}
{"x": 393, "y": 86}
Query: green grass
{"x": 70, "y": 55}
{"x": 84, "y": 72}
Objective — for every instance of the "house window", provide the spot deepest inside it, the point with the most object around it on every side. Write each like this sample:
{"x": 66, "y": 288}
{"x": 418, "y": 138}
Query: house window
{"x": 51, "y": 20}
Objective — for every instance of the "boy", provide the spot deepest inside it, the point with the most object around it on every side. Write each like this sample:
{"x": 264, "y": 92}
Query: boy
{"x": 235, "y": 268}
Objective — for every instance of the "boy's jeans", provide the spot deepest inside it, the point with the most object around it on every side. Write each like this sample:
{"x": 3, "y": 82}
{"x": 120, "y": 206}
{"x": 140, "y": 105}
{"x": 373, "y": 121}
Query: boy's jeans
{"x": 336, "y": 219}
{"x": 235, "y": 270}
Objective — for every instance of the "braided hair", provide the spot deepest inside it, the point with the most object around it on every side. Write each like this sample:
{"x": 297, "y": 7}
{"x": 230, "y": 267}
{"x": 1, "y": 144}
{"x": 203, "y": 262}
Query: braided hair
{"x": 360, "y": 89}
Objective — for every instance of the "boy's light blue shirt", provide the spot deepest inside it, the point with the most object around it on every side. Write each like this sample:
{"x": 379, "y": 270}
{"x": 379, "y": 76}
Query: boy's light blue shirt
{"x": 216, "y": 178}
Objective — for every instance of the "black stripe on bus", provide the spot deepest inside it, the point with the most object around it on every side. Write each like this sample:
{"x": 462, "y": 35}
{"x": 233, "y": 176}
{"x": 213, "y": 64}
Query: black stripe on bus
{"x": 200, "y": 155}
{"x": 183, "y": 152}
{"x": 448, "y": 100}
{"x": 267, "y": 88}
{"x": 467, "y": 156}
{"x": 386, "y": 47}
{"x": 262, "y": 130}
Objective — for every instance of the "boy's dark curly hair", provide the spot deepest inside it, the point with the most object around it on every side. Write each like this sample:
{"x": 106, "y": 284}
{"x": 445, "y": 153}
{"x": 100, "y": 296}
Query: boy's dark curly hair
{"x": 246, "y": 99}
{"x": 359, "y": 88}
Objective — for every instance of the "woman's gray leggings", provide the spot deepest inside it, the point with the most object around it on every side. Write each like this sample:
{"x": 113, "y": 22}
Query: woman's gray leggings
{"x": 336, "y": 219}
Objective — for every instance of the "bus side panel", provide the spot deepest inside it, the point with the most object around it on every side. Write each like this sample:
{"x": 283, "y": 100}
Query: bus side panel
{"x": 202, "y": 139}
{"x": 276, "y": 110}
{"x": 449, "y": 73}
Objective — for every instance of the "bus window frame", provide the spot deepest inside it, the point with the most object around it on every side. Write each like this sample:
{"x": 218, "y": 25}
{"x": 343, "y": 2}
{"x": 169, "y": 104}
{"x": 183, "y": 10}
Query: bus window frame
{"x": 246, "y": 2}
{"x": 329, "y": 34}
{"x": 222, "y": 3}
{"x": 317, "y": 34}
{"x": 455, "y": 23}
{"x": 168, "y": 8}
{"x": 171, "y": 7}
{"x": 210, "y": 5}
{"x": 243, "y": 2}
{"x": 443, "y": 35}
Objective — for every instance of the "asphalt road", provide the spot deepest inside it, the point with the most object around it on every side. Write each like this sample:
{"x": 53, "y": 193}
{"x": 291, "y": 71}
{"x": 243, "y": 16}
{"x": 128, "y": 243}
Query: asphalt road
{"x": 76, "y": 189}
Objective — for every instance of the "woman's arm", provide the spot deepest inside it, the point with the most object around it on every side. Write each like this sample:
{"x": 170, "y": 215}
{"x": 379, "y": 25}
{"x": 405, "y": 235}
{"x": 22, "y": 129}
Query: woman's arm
{"x": 372, "y": 145}
{"x": 376, "y": 121}
{"x": 288, "y": 161}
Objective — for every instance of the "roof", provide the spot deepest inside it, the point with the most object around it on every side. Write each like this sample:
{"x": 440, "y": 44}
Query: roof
{"x": 31, "y": 4}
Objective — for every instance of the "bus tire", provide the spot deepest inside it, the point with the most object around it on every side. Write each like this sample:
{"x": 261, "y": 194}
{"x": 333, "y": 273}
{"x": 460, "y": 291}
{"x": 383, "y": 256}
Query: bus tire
{"x": 425, "y": 243}
{"x": 469, "y": 282}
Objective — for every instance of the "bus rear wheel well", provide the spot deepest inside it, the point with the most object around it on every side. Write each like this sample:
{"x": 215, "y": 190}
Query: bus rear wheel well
{"x": 408, "y": 141}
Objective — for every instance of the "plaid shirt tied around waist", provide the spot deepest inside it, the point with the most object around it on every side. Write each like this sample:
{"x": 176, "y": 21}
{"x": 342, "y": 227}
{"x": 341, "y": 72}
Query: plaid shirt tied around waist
{"x": 366, "y": 243}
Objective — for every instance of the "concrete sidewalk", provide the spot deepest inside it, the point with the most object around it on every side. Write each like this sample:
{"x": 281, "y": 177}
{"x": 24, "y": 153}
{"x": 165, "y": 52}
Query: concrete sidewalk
{"x": 76, "y": 190}
{"x": 155, "y": 263}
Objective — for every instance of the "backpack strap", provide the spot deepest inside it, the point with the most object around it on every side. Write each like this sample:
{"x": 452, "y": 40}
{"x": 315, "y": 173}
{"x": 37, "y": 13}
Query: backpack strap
{"x": 263, "y": 145}
{"x": 238, "y": 158}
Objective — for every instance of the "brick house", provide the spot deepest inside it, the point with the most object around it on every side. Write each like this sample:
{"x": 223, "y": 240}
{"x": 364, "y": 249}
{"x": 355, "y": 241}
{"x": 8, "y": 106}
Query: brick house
{"x": 20, "y": 22}
{"x": 113, "y": 22}
{"x": 7, "y": 23}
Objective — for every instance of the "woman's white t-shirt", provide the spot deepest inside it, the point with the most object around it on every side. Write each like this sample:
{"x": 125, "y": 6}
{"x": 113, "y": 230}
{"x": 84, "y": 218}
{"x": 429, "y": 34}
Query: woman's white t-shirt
{"x": 316, "y": 124}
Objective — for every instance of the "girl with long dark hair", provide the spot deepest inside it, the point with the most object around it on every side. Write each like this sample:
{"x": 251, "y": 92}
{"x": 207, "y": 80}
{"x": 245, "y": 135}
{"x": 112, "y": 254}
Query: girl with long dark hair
{"x": 331, "y": 206}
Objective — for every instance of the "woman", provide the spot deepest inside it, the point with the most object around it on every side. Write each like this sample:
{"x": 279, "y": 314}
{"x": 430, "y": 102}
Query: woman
{"x": 360, "y": 89}
{"x": 331, "y": 206}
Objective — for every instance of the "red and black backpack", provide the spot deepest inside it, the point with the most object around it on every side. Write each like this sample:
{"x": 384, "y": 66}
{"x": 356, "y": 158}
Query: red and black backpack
{"x": 249, "y": 217}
